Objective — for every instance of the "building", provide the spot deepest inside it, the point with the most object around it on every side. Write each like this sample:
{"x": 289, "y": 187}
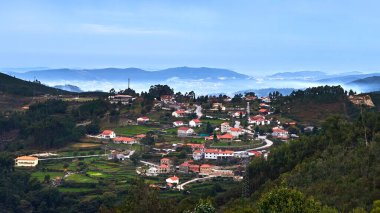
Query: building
{"x": 152, "y": 171}
{"x": 225, "y": 127}
{"x": 163, "y": 169}
{"x": 237, "y": 114}
{"x": 108, "y": 134}
{"x": 125, "y": 140}
{"x": 166, "y": 161}
{"x": 123, "y": 99}
{"x": 195, "y": 123}
{"x": 264, "y": 111}
{"x": 265, "y": 99}
{"x": 258, "y": 120}
{"x": 142, "y": 120}
{"x": 206, "y": 169}
{"x": 194, "y": 168}
{"x": 236, "y": 132}
{"x": 27, "y": 161}
{"x": 167, "y": 99}
{"x": 280, "y": 133}
{"x": 197, "y": 154}
{"x": 179, "y": 113}
{"x": 184, "y": 167}
{"x": 173, "y": 180}
{"x": 217, "y": 107}
{"x": 178, "y": 123}
{"x": 185, "y": 132}
{"x": 211, "y": 154}
{"x": 226, "y": 137}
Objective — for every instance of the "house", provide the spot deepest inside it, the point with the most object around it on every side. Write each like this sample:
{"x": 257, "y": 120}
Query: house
{"x": 206, "y": 169}
{"x": 26, "y": 161}
{"x": 225, "y": 154}
{"x": 264, "y": 111}
{"x": 280, "y": 133}
{"x": 265, "y": 99}
{"x": 226, "y": 137}
{"x": 194, "y": 168}
{"x": 178, "y": 123}
{"x": 264, "y": 105}
{"x": 139, "y": 137}
{"x": 195, "y": 123}
{"x": 163, "y": 169}
{"x": 173, "y": 180}
{"x": 124, "y": 140}
{"x": 196, "y": 146}
{"x": 258, "y": 120}
{"x": 142, "y": 120}
{"x": 166, "y": 161}
{"x": 225, "y": 127}
{"x": 237, "y": 114}
{"x": 108, "y": 134}
{"x": 167, "y": 98}
{"x": 123, "y": 99}
{"x": 152, "y": 171}
{"x": 250, "y": 98}
{"x": 197, "y": 154}
{"x": 184, "y": 167}
{"x": 185, "y": 132}
{"x": 179, "y": 113}
{"x": 116, "y": 155}
{"x": 236, "y": 132}
{"x": 217, "y": 107}
{"x": 211, "y": 154}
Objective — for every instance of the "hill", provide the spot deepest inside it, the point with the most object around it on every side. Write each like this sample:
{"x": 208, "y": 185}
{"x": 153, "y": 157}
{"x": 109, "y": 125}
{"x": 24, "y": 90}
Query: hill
{"x": 13, "y": 86}
{"x": 69, "y": 88}
{"x": 368, "y": 84}
{"x": 300, "y": 75}
{"x": 116, "y": 74}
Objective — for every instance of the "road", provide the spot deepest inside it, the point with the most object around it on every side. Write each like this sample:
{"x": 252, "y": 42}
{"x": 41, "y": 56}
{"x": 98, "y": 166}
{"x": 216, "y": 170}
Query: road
{"x": 180, "y": 186}
{"x": 149, "y": 163}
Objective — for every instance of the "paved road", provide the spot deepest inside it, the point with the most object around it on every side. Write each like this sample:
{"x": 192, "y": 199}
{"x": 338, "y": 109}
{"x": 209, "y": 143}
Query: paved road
{"x": 268, "y": 144}
{"x": 149, "y": 163}
{"x": 181, "y": 186}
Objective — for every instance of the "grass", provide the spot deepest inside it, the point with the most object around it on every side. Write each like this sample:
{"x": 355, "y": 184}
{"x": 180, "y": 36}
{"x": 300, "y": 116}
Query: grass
{"x": 41, "y": 175}
{"x": 79, "y": 178}
{"x": 85, "y": 145}
{"x": 134, "y": 130}
{"x": 74, "y": 190}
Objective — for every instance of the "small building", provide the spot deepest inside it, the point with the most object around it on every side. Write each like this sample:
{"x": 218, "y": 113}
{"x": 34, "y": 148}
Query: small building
{"x": 108, "y": 134}
{"x": 179, "y": 113}
{"x": 264, "y": 111}
{"x": 206, "y": 169}
{"x": 152, "y": 171}
{"x": 124, "y": 140}
{"x": 195, "y": 123}
{"x": 197, "y": 155}
{"x": 235, "y": 132}
{"x": 178, "y": 123}
{"x": 26, "y": 161}
{"x": 173, "y": 180}
{"x": 163, "y": 169}
{"x": 237, "y": 114}
{"x": 185, "y": 132}
{"x": 280, "y": 133}
{"x": 123, "y": 99}
{"x": 166, "y": 161}
{"x": 225, "y": 127}
{"x": 167, "y": 99}
{"x": 226, "y": 137}
{"x": 211, "y": 154}
{"x": 142, "y": 120}
{"x": 194, "y": 168}
{"x": 258, "y": 120}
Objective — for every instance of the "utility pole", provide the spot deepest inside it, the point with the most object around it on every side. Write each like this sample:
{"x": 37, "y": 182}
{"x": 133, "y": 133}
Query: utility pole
{"x": 129, "y": 81}
{"x": 246, "y": 185}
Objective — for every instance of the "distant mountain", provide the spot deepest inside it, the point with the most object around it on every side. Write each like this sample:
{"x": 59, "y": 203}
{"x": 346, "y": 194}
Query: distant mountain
{"x": 300, "y": 75}
{"x": 14, "y": 86}
{"x": 116, "y": 74}
{"x": 266, "y": 91}
{"x": 369, "y": 84}
{"x": 343, "y": 79}
{"x": 68, "y": 87}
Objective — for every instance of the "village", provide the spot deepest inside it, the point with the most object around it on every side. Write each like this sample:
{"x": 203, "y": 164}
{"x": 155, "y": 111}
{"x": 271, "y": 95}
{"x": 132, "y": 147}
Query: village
{"x": 194, "y": 144}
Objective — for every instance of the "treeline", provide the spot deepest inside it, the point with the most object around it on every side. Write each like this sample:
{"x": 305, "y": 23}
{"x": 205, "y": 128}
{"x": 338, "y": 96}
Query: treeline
{"x": 339, "y": 165}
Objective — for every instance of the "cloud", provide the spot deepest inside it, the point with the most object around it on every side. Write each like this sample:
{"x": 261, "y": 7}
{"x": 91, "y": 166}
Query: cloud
{"x": 119, "y": 30}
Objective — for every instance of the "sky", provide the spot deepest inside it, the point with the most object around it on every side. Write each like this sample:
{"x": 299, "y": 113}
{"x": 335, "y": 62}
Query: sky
{"x": 252, "y": 37}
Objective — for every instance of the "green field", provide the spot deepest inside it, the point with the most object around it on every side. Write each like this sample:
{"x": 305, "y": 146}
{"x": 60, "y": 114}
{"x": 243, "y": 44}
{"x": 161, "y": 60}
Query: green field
{"x": 134, "y": 130}
{"x": 79, "y": 178}
{"x": 41, "y": 175}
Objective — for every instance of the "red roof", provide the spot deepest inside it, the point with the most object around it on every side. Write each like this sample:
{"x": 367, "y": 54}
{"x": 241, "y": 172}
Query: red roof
{"x": 227, "y": 152}
{"x": 197, "y": 121}
{"x": 184, "y": 128}
{"x": 174, "y": 178}
{"x": 263, "y": 110}
{"x": 235, "y": 129}
{"x": 26, "y": 158}
{"x": 124, "y": 139}
{"x": 180, "y": 111}
{"x": 197, "y": 151}
{"x": 206, "y": 166}
{"x": 279, "y": 130}
{"x": 140, "y": 136}
{"x": 107, "y": 132}
{"x": 164, "y": 166}
{"x": 212, "y": 151}
{"x": 165, "y": 159}
{"x": 226, "y": 136}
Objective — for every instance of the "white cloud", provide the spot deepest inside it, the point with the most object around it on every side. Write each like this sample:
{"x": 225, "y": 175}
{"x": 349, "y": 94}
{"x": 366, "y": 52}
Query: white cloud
{"x": 111, "y": 29}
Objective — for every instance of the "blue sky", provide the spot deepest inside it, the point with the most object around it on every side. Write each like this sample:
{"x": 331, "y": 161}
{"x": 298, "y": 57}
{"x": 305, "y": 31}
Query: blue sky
{"x": 252, "y": 37}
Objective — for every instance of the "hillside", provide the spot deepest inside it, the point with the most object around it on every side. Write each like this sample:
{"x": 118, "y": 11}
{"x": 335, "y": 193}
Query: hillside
{"x": 13, "y": 86}
{"x": 116, "y": 74}
{"x": 367, "y": 84}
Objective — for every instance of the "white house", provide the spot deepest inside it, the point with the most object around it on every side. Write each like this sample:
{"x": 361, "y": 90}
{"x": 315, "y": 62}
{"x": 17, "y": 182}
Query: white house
{"x": 27, "y": 161}
{"x": 152, "y": 171}
{"x": 123, "y": 99}
{"x": 185, "y": 132}
{"x": 179, "y": 113}
{"x": 197, "y": 155}
{"x": 225, "y": 127}
{"x": 173, "y": 180}
{"x": 142, "y": 120}
{"x": 108, "y": 134}
{"x": 125, "y": 140}
{"x": 238, "y": 113}
{"x": 280, "y": 133}
{"x": 178, "y": 123}
{"x": 235, "y": 132}
{"x": 258, "y": 120}
{"x": 195, "y": 123}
